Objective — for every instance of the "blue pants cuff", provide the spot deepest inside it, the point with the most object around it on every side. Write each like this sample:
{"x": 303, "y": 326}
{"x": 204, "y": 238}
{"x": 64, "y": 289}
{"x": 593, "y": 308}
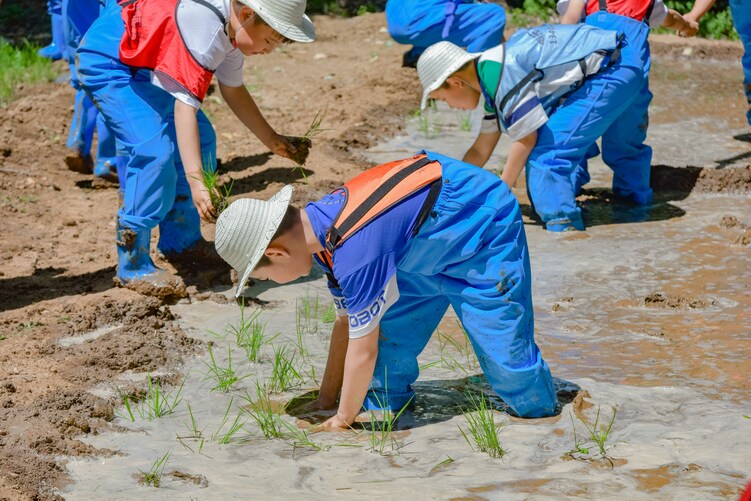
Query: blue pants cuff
{"x": 569, "y": 223}
{"x": 378, "y": 400}
{"x": 643, "y": 197}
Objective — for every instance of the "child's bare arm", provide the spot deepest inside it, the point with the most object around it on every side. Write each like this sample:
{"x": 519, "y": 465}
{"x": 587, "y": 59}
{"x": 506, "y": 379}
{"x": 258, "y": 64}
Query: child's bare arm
{"x": 358, "y": 372}
{"x": 700, "y": 8}
{"x": 332, "y": 376}
{"x": 573, "y": 13}
{"x": 189, "y": 144}
{"x": 242, "y": 104}
{"x": 480, "y": 151}
{"x": 684, "y": 27}
{"x": 517, "y": 158}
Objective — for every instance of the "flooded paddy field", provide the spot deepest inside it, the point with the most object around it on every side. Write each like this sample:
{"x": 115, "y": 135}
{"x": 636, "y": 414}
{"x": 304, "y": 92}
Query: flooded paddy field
{"x": 644, "y": 318}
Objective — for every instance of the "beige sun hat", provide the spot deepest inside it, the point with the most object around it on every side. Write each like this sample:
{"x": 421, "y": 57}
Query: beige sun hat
{"x": 245, "y": 228}
{"x": 437, "y": 63}
{"x": 287, "y": 17}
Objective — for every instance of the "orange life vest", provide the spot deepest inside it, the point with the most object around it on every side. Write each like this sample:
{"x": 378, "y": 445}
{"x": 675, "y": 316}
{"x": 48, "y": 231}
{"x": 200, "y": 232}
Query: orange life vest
{"x": 377, "y": 190}
{"x": 152, "y": 41}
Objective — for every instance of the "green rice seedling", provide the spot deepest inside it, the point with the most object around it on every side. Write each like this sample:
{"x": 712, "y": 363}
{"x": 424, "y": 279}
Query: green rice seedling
{"x": 308, "y": 310}
{"x": 263, "y": 412}
{"x": 159, "y": 403}
{"x": 284, "y": 373}
{"x": 314, "y": 129}
{"x": 219, "y": 195}
{"x": 481, "y": 426}
{"x": 301, "y": 439}
{"x": 599, "y": 433}
{"x": 153, "y": 476}
{"x": 223, "y": 437}
{"x": 382, "y": 430}
{"x": 465, "y": 122}
{"x": 126, "y": 400}
{"x": 224, "y": 377}
{"x": 250, "y": 334}
{"x": 194, "y": 433}
{"x": 425, "y": 127}
{"x": 578, "y": 441}
{"x": 329, "y": 315}
{"x": 21, "y": 65}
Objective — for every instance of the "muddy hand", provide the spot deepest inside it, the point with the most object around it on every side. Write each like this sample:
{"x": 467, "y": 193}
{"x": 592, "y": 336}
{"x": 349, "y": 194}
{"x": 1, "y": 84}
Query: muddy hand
{"x": 334, "y": 423}
{"x": 202, "y": 201}
{"x": 296, "y": 149}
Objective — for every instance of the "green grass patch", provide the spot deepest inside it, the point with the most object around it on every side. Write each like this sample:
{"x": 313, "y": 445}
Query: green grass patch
{"x": 22, "y": 66}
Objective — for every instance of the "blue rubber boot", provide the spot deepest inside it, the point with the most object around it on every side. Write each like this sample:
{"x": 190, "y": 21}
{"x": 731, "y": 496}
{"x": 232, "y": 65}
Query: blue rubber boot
{"x": 55, "y": 50}
{"x": 106, "y": 168}
{"x": 136, "y": 270}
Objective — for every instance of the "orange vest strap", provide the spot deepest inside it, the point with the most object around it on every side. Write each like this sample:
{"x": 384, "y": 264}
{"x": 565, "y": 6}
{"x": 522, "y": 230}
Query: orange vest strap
{"x": 378, "y": 189}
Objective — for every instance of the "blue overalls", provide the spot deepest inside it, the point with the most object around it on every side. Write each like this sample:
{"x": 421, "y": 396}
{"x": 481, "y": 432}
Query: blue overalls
{"x": 741, "y": 12}
{"x": 587, "y": 113}
{"x": 56, "y": 49}
{"x": 141, "y": 116}
{"x": 422, "y": 23}
{"x": 78, "y": 16}
{"x": 623, "y": 148}
{"x": 470, "y": 253}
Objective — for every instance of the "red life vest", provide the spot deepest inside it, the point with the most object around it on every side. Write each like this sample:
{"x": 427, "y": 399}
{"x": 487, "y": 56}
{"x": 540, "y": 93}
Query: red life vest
{"x": 635, "y": 9}
{"x": 377, "y": 190}
{"x": 152, "y": 41}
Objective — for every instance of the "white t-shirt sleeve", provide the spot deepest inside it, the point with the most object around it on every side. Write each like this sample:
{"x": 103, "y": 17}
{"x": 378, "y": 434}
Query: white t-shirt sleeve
{"x": 205, "y": 37}
{"x": 230, "y": 70}
{"x": 659, "y": 13}
{"x": 362, "y": 323}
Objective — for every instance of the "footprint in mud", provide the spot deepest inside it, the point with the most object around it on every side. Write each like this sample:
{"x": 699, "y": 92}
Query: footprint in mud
{"x": 740, "y": 233}
{"x": 668, "y": 301}
{"x": 560, "y": 305}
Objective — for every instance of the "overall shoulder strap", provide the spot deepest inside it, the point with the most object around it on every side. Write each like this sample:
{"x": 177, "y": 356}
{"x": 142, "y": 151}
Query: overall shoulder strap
{"x": 377, "y": 190}
{"x": 213, "y": 9}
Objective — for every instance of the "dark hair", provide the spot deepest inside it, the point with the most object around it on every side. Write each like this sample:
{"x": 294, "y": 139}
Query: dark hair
{"x": 288, "y": 221}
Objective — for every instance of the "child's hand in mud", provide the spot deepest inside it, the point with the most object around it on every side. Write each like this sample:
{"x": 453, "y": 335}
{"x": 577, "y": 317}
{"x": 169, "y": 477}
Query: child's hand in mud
{"x": 202, "y": 201}
{"x": 334, "y": 423}
{"x": 296, "y": 149}
{"x": 315, "y": 410}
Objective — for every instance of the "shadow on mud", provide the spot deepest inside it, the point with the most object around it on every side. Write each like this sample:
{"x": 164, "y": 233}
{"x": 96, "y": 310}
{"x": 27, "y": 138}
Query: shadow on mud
{"x": 237, "y": 164}
{"x": 259, "y": 181}
{"x": 440, "y": 400}
{"x": 50, "y": 283}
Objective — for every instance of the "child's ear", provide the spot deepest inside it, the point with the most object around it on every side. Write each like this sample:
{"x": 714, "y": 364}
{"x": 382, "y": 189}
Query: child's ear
{"x": 276, "y": 251}
{"x": 245, "y": 14}
{"x": 455, "y": 82}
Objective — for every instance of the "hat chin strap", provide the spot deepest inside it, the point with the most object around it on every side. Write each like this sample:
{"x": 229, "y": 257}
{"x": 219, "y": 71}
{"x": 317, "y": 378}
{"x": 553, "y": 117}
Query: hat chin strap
{"x": 242, "y": 27}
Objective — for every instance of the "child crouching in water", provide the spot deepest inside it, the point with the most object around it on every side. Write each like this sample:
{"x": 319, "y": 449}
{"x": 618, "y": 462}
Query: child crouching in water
{"x": 399, "y": 244}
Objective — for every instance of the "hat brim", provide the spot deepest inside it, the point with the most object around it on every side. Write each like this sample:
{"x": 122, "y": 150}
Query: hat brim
{"x": 450, "y": 69}
{"x": 304, "y": 33}
{"x": 279, "y": 202}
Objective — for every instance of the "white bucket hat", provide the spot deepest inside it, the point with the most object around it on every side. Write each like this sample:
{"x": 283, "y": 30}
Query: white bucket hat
{"x": 287, "y": 17}
{"x": 245, "y": 228}
{"x": 437, "y": 63}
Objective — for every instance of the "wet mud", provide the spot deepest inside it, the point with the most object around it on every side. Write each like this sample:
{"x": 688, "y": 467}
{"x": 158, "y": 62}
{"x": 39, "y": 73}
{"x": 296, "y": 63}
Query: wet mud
{"x": 645, "y": 312}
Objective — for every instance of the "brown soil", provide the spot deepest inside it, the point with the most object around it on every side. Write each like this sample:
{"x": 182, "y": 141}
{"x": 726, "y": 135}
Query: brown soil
{"x": 659, "y": 300}
{"x": 735, "y": 179}
{"x": 58, "y": 252}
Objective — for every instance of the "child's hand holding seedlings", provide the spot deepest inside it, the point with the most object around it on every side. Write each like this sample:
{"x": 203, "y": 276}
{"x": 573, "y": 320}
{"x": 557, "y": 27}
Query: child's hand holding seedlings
{"x": 202, "y": 200}
{"x": 296, "y": 149}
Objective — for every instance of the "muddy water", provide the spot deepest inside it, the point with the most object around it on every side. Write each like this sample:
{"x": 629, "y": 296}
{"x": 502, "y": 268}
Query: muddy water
{"x": 647, "y": 311}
